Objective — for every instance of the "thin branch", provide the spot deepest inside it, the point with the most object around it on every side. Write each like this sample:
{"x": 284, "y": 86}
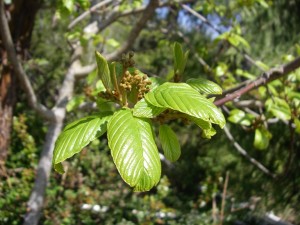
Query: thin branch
{"x": 224, "y": 198}
{"x": 244, "y": 153}
{"x": 114, "y": 16}
{"x": 88, "y": 12}
{"x": 265, "y": 78}
{"x": 21, "y": 75}
{"x": 148, "y": 13}
{"x": 208, "y": 23}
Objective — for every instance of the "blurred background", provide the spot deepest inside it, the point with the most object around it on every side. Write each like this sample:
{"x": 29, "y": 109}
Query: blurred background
{"x": 245, "y": 174}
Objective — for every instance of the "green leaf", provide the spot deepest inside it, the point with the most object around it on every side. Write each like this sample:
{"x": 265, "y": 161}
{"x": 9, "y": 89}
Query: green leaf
{"x": 279, "y": 108}
{"x": 74, "y": 102}
{"x": 103, "y": 71}
{"x": 133, "y": 149}
{"x": 183, "y": 98}
{"x": 262, "y": 138}
{"x": 180, "y": 58}
{"x": 204, "y": 125}
{"x": 77, "y": 135}
{"x": 169, "y": 143}
{"x": 146, "y": 110}
{"x": 240, "y": 117}
{"x": 68, "y": 4}
{"x": 297, "y": 123}
{"x": 208, "y": 133}
{"x": 178, "y": 55}
{"x": 204, "y": 86}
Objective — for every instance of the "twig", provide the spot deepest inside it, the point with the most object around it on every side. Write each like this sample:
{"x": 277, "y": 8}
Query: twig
{"x": 148, "y": 13}
{"x": 265, "y": 78}
{"x": 224, "y": 197}
{"x": 203, "y": 19}
{"x": 86, "y": 13}
{"x": 21, "y": 75}
{"x": 244, "y": 153}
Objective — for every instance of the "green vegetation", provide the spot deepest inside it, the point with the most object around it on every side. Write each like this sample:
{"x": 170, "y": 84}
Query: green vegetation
{"x": 123, "y": 127}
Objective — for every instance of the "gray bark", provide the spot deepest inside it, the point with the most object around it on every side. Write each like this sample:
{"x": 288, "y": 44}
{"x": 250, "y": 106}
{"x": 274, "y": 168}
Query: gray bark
{"x": 36, "y": 200}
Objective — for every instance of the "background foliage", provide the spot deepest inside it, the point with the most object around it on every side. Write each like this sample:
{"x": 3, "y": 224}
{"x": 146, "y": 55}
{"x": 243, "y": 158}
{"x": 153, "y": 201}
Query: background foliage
{"x": 190, "y": 190}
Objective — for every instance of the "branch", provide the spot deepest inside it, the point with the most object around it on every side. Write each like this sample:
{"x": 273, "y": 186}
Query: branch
{"x": 208, "y": 23}
{"x": 21, "y": 75}
{"x": 117, "y": 14}
{"x": 244, "y": 153}
{"x": 148, "y": 13}
{"x": 86, "y": 13}
{"x": 265, "y": 78}
{"x": 83, "y": 71}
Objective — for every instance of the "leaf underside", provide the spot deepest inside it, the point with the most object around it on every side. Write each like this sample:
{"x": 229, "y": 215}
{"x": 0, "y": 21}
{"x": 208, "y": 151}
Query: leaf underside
{"x": 133, "y": 149}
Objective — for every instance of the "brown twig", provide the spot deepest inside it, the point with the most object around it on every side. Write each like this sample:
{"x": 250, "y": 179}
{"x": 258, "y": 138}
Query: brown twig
{"x": 265, "y": 78}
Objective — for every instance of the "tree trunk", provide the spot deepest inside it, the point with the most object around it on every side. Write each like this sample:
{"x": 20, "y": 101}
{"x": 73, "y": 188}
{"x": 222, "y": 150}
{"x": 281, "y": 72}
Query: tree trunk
{"x": 22, "y": 14}
{"x": 7, "y": 101}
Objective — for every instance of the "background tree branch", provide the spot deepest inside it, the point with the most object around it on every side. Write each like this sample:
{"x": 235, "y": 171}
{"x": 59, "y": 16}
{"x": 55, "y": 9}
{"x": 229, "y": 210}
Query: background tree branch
{"x": 21, "y": 75}
{"x": 265, "y": 78}
{"x": 135, "y": 31}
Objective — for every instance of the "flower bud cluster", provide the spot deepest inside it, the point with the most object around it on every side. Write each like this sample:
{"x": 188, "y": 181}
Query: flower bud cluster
{"x": 134, "y": 81}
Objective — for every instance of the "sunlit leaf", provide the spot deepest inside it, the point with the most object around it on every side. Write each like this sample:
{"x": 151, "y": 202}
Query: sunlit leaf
{"x": 133, "y": 149}
{"x": 77, "y": 135}
{"x": 208, "y": 133}
{"x": 146, "y": 110}
{"x": 240, "y": 117}
{"x": 279, "y": 108}
{"x": 183, "y": 98}
{"x": 262, "y": 138}
{"x": 169, "y": 143}
{"x": 204, "y": 86}
{"x": 104, "y": 72}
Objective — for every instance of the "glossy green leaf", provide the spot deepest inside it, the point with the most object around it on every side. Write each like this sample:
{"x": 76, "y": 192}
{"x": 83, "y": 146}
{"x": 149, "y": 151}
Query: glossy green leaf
{"x": 77, "y": 135}
{"x": 262, "y": 138}
{"x": 133, "y": 149}
{"x": 204, "y": 86}
{"x": 104, "y": 72}
{"x": 169, "y": 143}
{"x": 183, "y": 98}
{"x": 146, "y": 110}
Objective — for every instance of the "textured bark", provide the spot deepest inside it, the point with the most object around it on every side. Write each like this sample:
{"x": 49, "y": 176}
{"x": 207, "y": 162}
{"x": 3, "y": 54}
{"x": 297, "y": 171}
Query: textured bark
{"x": 21, "y": 14}
{"x": 7, "y": 101}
